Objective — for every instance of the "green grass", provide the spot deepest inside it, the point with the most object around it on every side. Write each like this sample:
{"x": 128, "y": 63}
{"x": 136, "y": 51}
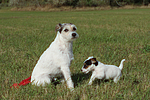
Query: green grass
{"x": 108, "y": 35}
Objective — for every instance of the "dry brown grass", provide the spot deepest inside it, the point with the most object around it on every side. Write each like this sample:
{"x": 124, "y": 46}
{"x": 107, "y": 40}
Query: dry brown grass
{"x": 69, "y": 8}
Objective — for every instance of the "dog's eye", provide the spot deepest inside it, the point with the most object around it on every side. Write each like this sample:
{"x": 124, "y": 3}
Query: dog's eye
{"x": 86, "y": 66}
{"x": 88, "y": 62}
{"x": 74, "y": 29}
{"x": 66, "y": 30}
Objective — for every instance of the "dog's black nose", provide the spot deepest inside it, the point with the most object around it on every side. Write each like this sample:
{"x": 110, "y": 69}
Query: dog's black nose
{"x": 81, "y": 69}
{"x": 74, "y": 34}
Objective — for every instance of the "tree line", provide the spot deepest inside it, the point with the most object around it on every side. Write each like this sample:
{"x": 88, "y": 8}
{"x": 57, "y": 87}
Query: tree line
{"x": 73, "y": 3}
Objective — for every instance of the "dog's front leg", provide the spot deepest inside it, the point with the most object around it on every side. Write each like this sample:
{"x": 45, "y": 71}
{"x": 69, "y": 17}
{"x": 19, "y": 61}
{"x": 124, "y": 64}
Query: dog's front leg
{"x": 92, "y": 79}
{"x": 67, "y": 75}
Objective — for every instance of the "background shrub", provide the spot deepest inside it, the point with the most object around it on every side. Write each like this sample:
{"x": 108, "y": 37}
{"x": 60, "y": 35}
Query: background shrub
{"x": 73, "y": 3}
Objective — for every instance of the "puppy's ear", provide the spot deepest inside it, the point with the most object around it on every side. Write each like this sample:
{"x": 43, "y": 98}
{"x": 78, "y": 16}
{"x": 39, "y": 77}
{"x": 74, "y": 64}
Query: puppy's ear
{"x": 93, "y": 60}
{"x": 58, "y": 27}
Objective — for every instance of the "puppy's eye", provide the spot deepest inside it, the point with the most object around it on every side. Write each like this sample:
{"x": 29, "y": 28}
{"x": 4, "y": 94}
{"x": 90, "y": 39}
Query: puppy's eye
{"x": 86, "y": 66}
{"x": 66, "y": 30}
{"x": 74, "y": 29}
{"x": 88, "y": 62}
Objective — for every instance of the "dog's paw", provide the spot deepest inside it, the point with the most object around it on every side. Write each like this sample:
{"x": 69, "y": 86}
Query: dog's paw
{"x": 71, "y": 89}
{"x": 89, "y": 83}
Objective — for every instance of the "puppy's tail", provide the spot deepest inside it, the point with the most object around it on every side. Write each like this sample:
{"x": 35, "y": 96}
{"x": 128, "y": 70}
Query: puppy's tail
{"x": 121, "y": 64}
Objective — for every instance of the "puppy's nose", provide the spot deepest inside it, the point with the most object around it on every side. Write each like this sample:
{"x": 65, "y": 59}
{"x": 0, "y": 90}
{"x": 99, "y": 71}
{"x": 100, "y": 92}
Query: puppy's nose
{"x": 74, "y": 34}
{"x": 81, "y": 70}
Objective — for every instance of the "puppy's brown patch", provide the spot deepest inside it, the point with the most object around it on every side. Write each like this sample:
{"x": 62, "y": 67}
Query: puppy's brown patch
{"x": 87, "y": 63}
{"x": 90, "y": 62}
{"x": 86, "y": 66}
{"x": 93, "y": 60}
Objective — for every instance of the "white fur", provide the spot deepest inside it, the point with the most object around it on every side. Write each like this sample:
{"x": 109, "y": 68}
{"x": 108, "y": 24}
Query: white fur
{"x": 103, "y": 71}
{"x": 56, "y": 59}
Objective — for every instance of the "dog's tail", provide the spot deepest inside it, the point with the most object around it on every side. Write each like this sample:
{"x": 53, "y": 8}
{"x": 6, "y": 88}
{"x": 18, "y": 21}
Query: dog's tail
{"x": 121, "y": 64}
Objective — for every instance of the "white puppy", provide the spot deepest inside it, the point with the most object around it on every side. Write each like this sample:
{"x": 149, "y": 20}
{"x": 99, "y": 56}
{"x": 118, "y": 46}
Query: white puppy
{"x": 102, "y": 71}
{"x": 56, "y": 59}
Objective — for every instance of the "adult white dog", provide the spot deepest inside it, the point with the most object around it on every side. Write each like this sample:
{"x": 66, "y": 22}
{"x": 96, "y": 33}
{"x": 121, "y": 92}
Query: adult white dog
{"x": 56, "y": 59}
{"x": 102, "y": 71}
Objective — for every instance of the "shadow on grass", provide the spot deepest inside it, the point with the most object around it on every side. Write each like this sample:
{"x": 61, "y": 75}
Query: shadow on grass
{"x": 79, "y": 78}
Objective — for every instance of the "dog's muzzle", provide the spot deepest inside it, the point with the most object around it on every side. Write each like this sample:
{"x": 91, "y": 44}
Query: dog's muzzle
{"x": 84, "y": 71}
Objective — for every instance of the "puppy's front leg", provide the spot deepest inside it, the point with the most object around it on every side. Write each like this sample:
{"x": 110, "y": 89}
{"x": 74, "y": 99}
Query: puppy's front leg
{"x": 67, "y": 76}
{"x": 92, "y": 79}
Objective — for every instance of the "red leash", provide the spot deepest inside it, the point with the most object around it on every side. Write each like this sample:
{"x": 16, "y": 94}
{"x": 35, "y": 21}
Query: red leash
{"x": 23, "y": 82}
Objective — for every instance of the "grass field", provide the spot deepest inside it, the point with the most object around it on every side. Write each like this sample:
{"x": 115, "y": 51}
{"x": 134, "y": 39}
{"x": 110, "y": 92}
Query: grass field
{"x": 108, "y": 35}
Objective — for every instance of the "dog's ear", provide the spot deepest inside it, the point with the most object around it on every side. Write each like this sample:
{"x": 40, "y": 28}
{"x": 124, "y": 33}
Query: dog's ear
{"x": 93, "y": 60}
{"x": 58, "y": 27}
